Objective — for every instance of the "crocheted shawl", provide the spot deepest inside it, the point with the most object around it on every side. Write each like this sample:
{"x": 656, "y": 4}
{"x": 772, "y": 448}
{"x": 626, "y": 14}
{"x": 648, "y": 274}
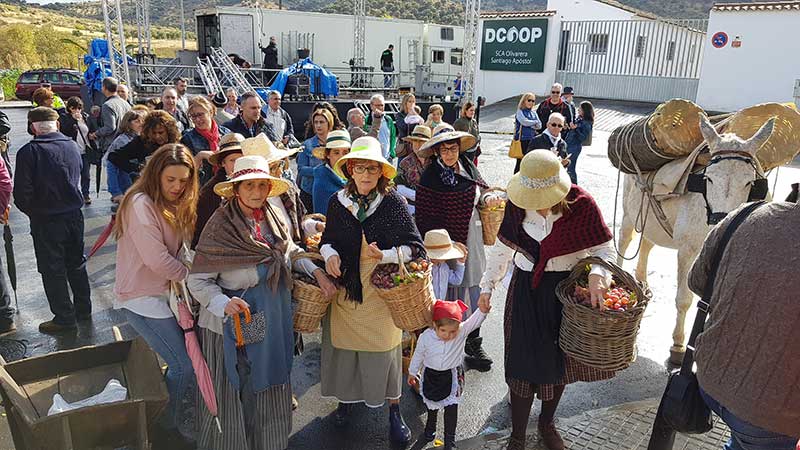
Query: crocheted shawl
{"x": 439, "y": 205}
{"x": 389, "y": 226}
{"x": 579, "y": 228}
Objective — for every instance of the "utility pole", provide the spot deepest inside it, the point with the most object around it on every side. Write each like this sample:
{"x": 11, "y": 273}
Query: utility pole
{"x": 472, "y": 13}
{"x": 183, "y": 28}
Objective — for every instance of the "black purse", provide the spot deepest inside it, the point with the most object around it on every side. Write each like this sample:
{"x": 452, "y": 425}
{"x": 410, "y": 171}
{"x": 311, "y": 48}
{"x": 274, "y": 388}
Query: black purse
{"x": 682, "y": 408}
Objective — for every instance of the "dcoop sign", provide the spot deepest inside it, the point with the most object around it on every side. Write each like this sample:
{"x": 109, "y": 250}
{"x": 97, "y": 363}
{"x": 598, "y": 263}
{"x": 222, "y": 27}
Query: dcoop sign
{"x": 514, "y": 45}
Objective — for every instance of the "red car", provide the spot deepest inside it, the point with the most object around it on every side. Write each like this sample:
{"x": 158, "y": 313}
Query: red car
{"x": 64, "y": 82}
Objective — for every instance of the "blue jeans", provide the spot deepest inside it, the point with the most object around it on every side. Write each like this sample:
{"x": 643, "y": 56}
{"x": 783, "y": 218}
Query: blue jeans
{"x": 165, "y": 337}
{"x": 745, "y": 436}
{"x": 573, "y": 158}
{"x": 86, "y": 175}
{"x": 118, "y": 180}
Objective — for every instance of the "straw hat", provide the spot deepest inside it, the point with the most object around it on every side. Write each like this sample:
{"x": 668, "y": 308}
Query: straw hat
{"x": 421, "y": 133}
{"x": 263, "y": 147}
{"x": 251, "y": 167}
{"x": 439, "y": 246}
{"x": 367, "y": 148}
{"x": 336, "y": 139}
{"x": 230, "y": 143}
{"x": 444, "y": 133}
{"x": 541, "y": 181}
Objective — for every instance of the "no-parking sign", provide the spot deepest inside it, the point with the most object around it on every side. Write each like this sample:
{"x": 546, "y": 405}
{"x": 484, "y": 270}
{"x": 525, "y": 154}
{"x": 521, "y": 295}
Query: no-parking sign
{"x": 719, "y": 39}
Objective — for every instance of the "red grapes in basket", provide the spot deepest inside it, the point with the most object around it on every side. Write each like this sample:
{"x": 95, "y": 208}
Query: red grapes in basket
{"x": 388, "y": 276}
{"x": 615, "y": 299}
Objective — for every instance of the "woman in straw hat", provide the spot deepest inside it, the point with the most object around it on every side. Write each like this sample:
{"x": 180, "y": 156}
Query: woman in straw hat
{"x": 242, "y": 263}
{"x": 326, "y": 181}
{"x": 367, "y": 222}
{"x": 448, "y": 194}
{"x": 230, "y": 149}
{"x": 322, "y": 122}
{"x": 156, "y": 217}
{"x": 549, "y": 226}
{"x": 412, "y": 166}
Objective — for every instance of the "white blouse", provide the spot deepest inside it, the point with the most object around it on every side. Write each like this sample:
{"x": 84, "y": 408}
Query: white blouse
{"x": 538, "y": 228}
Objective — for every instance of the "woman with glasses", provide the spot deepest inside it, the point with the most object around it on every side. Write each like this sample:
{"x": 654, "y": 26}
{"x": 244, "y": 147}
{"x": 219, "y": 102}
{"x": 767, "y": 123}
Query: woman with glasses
{"x": 449, "y": 191}
{"x": 550, "y": 139}
{"x": 526, "y": 122}
{"x": 367, "y": 223}
{"x": 203, "y": 139}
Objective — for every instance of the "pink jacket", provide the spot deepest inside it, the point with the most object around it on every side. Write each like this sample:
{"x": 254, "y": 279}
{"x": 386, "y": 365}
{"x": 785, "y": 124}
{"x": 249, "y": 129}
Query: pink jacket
{"x": 147, "y": 252}
{"x": 6, "y": 187}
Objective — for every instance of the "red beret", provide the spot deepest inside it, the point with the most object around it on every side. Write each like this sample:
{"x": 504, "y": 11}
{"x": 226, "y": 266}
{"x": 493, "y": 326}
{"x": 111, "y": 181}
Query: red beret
{"x": 443, "y": 309}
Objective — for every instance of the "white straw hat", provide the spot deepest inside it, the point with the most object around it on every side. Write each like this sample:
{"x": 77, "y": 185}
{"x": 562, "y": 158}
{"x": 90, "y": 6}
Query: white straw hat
{"x": 367, "y": 148}
{"x": 438, "y": 245}
{"x": 420, "y": 133}
{"x": 263, "y": 147}
{"x": 443, "y": 133}
{"x": 251, "y": 168}
{"x": 540, "y": 183}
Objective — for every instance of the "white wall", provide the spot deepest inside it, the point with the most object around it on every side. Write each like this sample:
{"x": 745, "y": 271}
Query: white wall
{"x": 762, "y": 70}
{"x": 496, "y": 85}
{"x": 587, "y": 10}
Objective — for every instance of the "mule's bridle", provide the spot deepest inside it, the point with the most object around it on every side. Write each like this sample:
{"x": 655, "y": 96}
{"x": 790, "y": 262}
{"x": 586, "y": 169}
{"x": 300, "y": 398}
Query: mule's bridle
{"x": 759, "y": 187}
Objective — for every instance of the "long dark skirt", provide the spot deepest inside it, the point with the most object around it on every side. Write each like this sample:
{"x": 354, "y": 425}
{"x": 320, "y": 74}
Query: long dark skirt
{"x": 534, "y": 362}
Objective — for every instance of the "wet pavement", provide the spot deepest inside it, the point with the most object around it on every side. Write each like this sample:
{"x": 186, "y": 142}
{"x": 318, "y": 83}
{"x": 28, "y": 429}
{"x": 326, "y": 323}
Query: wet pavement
{"x": 483, "y": 407}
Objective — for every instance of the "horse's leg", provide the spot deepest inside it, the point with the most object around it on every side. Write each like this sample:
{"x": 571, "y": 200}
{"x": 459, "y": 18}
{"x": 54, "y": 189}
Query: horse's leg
{"x": 683, "y": 300}
{"x": 626, "y": 232}
{"x": 644, "y": 253}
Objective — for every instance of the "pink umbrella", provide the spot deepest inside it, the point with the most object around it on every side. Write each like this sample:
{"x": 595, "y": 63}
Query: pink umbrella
{"x": 103, "y": 236}
{"x": 201, "y": 372}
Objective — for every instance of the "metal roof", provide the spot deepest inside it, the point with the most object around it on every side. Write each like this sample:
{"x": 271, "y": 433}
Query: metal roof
{"x": 515, "y": 14}
{"x": 630, "y": 9}
{"x": 793, "y": 5}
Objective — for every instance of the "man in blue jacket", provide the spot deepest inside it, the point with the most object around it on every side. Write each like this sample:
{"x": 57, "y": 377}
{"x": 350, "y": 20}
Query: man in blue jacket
{"x": 47, "y": 189}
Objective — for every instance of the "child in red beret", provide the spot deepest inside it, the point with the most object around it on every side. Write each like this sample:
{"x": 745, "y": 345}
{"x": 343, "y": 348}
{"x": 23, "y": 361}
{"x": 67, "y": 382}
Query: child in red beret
{"x": 439, "y": 354}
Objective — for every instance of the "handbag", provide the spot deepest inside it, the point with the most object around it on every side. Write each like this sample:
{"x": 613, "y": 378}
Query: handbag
{"x": 250, "y": 331}
{"x": 682, "y": 408}
{"x": 515, "y": 151}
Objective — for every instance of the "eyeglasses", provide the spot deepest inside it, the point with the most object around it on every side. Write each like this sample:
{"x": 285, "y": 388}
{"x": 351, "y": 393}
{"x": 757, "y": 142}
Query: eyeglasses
{"x": 557, "y": 125}
{"x": 555, "y": 92}
{"x": 530, "y": 100}
{"x": 372, "y": 170}
{"x": 452, "y": 148}
{"x": 197, "y": 115}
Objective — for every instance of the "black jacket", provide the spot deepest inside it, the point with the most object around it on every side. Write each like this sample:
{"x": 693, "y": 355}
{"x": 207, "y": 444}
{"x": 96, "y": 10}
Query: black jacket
{"x": 546, "y": 108}
{"x": 5, "y": 125}
{"x": 270, "y": 56}
{"x": 237, "y": 125}
{"x": 47, "y": 177}
{"x": 543, "y": 142}
{"x": 69, "y": 127}
{"x": 387, "y": 59}
{"x": 131, "y": 157}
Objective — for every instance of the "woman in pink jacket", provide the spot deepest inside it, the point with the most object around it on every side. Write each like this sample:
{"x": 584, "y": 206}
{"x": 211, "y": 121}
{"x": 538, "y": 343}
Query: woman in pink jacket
{"x": 156, "y": 217}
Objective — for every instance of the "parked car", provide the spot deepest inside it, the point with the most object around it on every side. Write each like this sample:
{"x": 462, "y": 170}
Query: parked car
{"x": 64, "y": 82}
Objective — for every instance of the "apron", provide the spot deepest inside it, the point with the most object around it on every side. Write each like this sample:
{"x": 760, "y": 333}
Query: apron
{"x": 368, "y": 326}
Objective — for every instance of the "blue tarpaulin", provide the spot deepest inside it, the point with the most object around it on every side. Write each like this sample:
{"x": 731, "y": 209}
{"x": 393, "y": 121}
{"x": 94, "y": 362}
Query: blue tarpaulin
{"x": 96, "y": 61}
{"x": 322, "y": 81}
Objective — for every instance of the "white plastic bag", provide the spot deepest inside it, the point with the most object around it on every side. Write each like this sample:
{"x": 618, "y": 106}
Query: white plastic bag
{"x": 113, "y": 392}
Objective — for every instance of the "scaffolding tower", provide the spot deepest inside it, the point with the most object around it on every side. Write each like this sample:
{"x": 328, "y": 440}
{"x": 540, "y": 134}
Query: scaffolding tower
{"x": 143, "y": 26}
{"x": 359, "y": 31}
{"x": 472, "y": 12}
{"x": 115, "y": 36}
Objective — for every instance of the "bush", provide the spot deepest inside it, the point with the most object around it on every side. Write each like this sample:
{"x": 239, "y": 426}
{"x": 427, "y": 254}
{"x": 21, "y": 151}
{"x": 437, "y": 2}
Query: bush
{"x": 77, "y": 33}
{"x": 8, "y": 81}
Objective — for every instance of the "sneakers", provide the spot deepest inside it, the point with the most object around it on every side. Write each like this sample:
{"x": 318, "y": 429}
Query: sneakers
{"x": 550, "y": 437}
{"x": 51, "y": 327}
{"x": 398, "y": 430}
{"x": 476, "y": 355}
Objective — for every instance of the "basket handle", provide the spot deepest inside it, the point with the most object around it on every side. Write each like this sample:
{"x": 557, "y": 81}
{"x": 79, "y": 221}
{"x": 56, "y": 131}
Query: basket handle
{"x": 309, "y": 255}
{"x": 315, "y": 216}
{"x": 495, "y": 189}
{"x": 621, "y": 274}
{"x": 237, "y": 326}
{"x": 400, "y": 263}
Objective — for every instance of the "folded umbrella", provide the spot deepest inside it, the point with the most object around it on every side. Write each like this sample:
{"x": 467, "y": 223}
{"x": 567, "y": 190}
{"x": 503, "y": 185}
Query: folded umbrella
{"x": 98, "y": 173}
{"x": 11, "y": 263}
{"x": 246, "y": 394}
{"x": 101, "y": 240}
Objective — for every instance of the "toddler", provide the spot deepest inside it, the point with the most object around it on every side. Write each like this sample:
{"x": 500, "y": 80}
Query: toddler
{"x": 439, "y": 353}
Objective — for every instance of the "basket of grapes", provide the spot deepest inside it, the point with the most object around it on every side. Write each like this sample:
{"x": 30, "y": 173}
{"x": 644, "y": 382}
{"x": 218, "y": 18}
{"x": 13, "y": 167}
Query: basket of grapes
{"x": 312, "y": 240}
{"x": 310, "y": 303}
{"x": 602, "y": 337}
{"x": 407, "y": 290}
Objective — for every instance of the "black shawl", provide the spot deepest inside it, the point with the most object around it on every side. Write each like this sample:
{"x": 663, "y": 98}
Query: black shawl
{"x": 389, "y": 226}
{"x": 450, "y": 207}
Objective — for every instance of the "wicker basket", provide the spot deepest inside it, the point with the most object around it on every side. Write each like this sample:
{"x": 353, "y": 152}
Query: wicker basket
{"x": 784, "y": 143}
{"x": 410, "y": 342}
{"x": 491, "y": 220}
{"x": 410, "y": 304}
{"x": 311, "y": 304}
{"x": 604, "y": 340}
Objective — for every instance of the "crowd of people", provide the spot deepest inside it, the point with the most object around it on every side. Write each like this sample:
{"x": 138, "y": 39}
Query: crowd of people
{"x": 217, "y": 207}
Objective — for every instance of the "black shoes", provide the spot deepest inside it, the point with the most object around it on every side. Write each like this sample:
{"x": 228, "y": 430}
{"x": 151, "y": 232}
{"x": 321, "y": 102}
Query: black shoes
{"x": 51, "y": 327}
{"x": 476, "y": 355}
{"x": 341, "y": 417}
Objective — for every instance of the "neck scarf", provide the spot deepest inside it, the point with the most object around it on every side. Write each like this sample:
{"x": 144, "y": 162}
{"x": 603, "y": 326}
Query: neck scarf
{"x": 362, "y": 202}
{"x": 211, "y": 135}
{"x": 259, "y": 216}
{"x": 448, "y": 174}
{"x": 553, "y": 139}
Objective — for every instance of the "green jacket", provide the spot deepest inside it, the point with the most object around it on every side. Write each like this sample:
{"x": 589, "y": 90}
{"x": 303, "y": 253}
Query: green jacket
{"x": 392, "y": 132}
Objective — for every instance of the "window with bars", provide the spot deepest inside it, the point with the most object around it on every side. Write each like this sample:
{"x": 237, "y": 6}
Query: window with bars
{"x": 671, "y": 51}
{"x": 598, "y": 44}
{"x": 641, "y": 44}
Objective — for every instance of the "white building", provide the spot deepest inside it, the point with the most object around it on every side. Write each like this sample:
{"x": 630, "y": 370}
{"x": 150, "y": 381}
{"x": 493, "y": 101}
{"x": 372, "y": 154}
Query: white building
{"x": 596, "y": 10}
{"x": 751, "y": 55}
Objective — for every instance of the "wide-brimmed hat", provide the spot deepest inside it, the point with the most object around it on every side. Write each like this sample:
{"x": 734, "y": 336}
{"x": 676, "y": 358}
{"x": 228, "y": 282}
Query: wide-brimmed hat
{"x": 445, "y": 133}
{"x": 367, "y": 148}
{"x": 336, "y": 139}
{"x": 251, "y": 167}
{"x": 438, "y": 245}
{"x": 541, "y": 182}
{"x": 230, "y": 143}
{"x": 263, "y": 147}
{"x": 421, "y": 133}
